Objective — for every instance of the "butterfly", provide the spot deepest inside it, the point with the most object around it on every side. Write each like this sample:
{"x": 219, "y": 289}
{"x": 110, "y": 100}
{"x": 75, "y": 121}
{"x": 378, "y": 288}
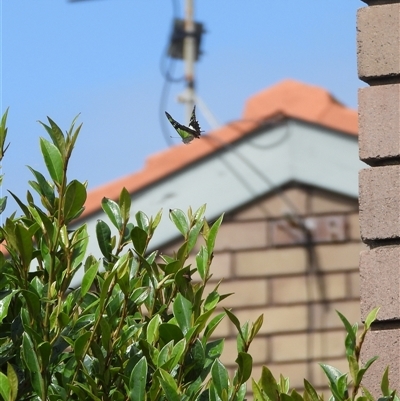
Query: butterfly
{"x": 187, "y": 133}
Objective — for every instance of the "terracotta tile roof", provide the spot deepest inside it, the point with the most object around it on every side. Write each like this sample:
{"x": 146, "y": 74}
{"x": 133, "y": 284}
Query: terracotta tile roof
{"x": 287, "y": 99}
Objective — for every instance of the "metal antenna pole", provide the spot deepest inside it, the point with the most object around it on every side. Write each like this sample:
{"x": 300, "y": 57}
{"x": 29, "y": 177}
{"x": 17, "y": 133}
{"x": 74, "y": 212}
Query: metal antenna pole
{"x": 189, "y": 56}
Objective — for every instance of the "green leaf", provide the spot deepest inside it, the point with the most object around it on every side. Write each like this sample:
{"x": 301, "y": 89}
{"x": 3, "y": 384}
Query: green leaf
{"x": 213, "y": 234}
{"x": 202, "y": 262}
{"x": 269, "y": 384}
{"x": 53, "y": 160}
{"x": 233, "y": 319}
{"x": 371, "y": 318}
{"x": 351, "y": 336}
{"x": 81, "y": 345}
{"x": 45, "y": 189}
{"x": 310, "y": 390}
{"x": 113, "y": 212}
{"x": 12, "y": 381}
{"x": 182, "y": 309}
{"x": 257, "y": 392}
{"x": 245, "y": 364}
{"x": 169, "y": 386}
{"x": 385, "y": 382}
{"x": 219, "y": 376}
{"x": 180, "y": 221}
{"x": 194, "y": 234}
{"x": 4, "y": 304}
{"x": 3, "y": 204}
{"x": 362, "y": 371}
{"x": 24, "y": 244}
{"x": 103, "y": 234}
{"x": 125, "y": 204}
{"x": 31, "y": 361}
{"x": 152, "y": 332}
{"x": 139, "y": 239}
{"x": 212, "y": 326}
{"x": 137, "y": 381}
{"x": 5, "y": 388}
{"x": 75, "y": 198}
{"x": 142, "y": 221}
{"x": 256, "y": 327}
{"x": 88, "y": 277}
{"x": 56, "y": 135}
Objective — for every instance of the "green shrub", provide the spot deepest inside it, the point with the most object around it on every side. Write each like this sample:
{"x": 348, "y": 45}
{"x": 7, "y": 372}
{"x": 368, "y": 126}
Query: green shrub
{"x": 138, "y": 328}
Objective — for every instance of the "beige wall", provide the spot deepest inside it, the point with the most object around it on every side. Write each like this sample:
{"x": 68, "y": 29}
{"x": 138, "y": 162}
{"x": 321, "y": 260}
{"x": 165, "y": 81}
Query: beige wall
{"x": 263, "y": 257}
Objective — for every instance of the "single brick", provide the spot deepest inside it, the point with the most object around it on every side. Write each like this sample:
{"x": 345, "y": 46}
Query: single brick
{"x": 380, "y": 203}
{"x": 338, "y": 257}
{"x": 386, "y": 345}
{"x": 327, "y": 344}
{"x": 380, "y": 282}
{"x": 379, "y": 123}
{"x": 277, "y": 319}
{"x": 314, "y": 287}
{"x": 245, "y": 292}
{"x": 241, "y": 235}
{"x": 270, "y": 262}
{"x": 378, "y": 37}
{"x": 291, "y": 347}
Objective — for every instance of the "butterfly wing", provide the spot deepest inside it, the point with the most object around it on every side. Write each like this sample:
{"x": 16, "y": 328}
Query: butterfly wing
{"x": 187, "y": 134}
{"x": 194, "y": 124}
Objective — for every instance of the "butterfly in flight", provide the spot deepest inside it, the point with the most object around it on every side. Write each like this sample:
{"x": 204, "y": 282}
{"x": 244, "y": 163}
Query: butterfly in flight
{"x": 187, "y": 133}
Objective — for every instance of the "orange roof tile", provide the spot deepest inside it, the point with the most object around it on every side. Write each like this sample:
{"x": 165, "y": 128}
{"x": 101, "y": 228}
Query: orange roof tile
{"x": 287, "y": 99}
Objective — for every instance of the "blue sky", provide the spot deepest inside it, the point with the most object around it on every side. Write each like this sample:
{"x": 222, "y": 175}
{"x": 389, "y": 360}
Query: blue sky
{"x": 101, "y": 58}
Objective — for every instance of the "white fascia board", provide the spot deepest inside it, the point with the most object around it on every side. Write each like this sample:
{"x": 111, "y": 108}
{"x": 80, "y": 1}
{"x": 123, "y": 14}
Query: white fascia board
{"x": 229, "y": 178}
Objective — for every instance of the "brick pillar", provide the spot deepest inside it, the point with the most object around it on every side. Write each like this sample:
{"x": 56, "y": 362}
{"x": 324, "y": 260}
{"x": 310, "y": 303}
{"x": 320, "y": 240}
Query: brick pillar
{"x": 378, "y": 43}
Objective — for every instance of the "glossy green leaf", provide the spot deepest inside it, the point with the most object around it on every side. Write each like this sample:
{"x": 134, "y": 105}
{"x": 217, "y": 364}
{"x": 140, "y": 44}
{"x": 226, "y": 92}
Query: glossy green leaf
{"x": 257, "y": 392}
{"x": 139, "y": 239}
{"x": 371, "y": 317}
{"x": 44, "y": 349}
{"x": 32, "y": 363}
{"x": 256, "y": 327}
{"x": 24, "y": 243}
{"x": 194, "y": 234}
{"x": 310, "y": 391}
{"x": 245, "y": 365}
{"x": 33, "y": 303}
{"x": 169, "y": 386}
{"x": 152, "y": 333}
{"x": 113, "y": 212}
{"x": 269, "y": 384}
{"x": 44, "y": 188}
{"x": 233, "y": 319}
{"x": 180, "y": 221}
{"x": 168, "y": 332}
{"x": 142, "y": 221}
{"x": 296, "y": 396}
{"x": 4, "y": 304}
{"x": 202, "y": 262}
{"x": 125, "y": 204}
{"x": 89, "y": 277}
{"x": 182, "y": 309}
{"x": 165, "y": 355}
{"x": 53, "y": 160}
{"x": 220, "y": 378}
{"x": 351, "y": 336}
{"x": 75, "y": 198}
{"x": 56, "y": 135}
{"x": 212, "y": 235}
{"x": 137, "y": 381}
{"x": 215, "y": 321}
{"x": 81, "y": 345}
{"x": 385, "y": 383}
{"x": 5, "y": 388}
{"x": 12, "y": 381}
{"x": 103, "y": 234}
